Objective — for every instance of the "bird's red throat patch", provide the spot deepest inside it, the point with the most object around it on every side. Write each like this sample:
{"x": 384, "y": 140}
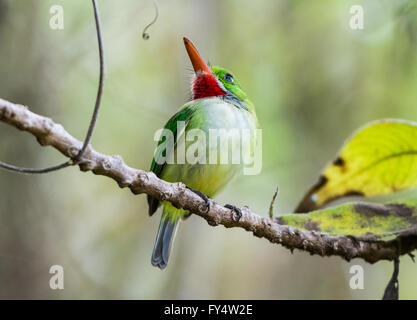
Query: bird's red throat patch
{"x": 205, "y": 85}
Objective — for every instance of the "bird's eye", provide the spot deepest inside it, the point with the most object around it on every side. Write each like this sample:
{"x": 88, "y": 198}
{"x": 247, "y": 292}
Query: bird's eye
{"x": 228, "y": 77}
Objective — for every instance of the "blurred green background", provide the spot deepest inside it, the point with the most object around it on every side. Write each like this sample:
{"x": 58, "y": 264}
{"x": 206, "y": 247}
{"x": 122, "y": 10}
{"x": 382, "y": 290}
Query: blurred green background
{"x": 312, "y": 79}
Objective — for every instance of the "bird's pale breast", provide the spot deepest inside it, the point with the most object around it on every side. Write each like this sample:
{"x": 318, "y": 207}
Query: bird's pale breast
{"x": 212, "y": 116}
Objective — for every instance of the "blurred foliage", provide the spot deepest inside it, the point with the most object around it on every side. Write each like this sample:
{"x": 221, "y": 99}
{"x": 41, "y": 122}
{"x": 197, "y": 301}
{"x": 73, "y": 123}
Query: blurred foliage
{"x": 312, "y": 79}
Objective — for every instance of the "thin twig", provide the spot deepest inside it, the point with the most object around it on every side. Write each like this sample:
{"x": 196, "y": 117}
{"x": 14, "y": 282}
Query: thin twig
{"x": 35, "y": 171}
{"x": 100, "y": 85}
{"x": 145, "y": 35}
{"x": 78, "y": 158}
{"x": 392, "y": 289}
{"x": 271, "y": 206}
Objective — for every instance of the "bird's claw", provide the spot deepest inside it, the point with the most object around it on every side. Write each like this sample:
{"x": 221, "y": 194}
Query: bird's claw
{"x": 204, "y": 197}
{"x": 234, "y": 210}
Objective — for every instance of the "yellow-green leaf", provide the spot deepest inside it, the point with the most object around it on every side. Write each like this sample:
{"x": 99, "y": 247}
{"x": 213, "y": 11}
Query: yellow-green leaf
{"x": 366, "y": 221}
{"x": 380, "y": 158}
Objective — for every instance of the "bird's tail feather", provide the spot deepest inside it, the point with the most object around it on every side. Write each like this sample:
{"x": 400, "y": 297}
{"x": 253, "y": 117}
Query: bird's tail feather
{"x": 164, "y": 240}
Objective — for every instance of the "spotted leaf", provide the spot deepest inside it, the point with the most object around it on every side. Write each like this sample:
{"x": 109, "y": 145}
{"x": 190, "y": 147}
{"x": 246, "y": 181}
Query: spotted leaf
{"x": 380, "y": 158}
{"x": 368, "y": 221}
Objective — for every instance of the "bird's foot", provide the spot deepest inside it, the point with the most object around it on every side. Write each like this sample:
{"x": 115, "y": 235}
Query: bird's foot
{"x": 234, "y": 210}
{"x": 204, "y": 197}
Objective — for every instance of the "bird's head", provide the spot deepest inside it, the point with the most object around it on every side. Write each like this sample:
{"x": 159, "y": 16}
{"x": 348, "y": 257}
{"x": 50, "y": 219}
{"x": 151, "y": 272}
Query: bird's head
{"x": 214, "y": 81}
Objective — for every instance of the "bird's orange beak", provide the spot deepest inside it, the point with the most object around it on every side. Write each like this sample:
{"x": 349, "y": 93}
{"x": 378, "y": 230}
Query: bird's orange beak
{"x": 198, "y": 63}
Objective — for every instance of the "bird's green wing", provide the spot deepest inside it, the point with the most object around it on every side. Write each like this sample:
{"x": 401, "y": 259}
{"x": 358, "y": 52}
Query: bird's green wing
{"x": 184, "y": 115}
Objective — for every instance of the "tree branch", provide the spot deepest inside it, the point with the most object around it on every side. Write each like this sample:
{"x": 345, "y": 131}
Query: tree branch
{"x": 139, "y": 181}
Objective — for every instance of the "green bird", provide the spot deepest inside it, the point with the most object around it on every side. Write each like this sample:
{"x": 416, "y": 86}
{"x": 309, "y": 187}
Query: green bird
{"x": 218, "y": 102}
